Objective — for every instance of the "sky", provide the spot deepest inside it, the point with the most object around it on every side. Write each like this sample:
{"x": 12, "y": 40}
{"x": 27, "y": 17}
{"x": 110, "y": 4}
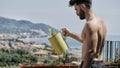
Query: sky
{"x": 58, "y": 14}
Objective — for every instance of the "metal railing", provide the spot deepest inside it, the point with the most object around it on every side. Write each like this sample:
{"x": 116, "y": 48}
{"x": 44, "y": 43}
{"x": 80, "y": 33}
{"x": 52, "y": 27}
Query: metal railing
{"x": 111, "y": 51}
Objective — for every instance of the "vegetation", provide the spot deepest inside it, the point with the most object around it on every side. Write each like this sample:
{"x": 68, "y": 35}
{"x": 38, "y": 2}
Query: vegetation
{"x": 117, "y": 56}
{"x": 10, "y": 57}
{"x": 64, "y": 58}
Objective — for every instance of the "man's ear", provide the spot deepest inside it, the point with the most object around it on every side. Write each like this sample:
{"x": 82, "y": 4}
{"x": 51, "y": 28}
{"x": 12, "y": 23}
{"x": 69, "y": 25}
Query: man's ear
{"x": 83, "y": 7}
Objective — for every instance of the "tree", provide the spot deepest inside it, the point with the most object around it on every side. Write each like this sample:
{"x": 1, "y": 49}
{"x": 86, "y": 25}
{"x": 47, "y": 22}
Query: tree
{"x": 15, "y": 57}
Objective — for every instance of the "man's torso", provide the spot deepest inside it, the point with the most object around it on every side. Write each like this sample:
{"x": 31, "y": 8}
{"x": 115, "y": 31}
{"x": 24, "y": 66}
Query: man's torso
{"x": 95, "y": 32}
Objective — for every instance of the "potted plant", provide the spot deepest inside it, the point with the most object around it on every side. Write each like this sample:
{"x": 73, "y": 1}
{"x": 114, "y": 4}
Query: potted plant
{"x": 116, "y": 62}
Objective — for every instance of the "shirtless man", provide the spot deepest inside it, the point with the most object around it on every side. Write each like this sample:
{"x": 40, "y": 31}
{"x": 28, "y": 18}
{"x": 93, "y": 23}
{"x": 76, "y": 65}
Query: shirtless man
{"x": 93, "y": 34}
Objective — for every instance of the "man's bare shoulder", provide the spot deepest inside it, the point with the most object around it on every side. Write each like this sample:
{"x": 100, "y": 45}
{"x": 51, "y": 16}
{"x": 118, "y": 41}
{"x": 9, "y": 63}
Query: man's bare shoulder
{"x": 102, "y": 26}
{"x": 96, "y": 23}
{"x": 92, "y": 25}
{"x": 101, "y": 23}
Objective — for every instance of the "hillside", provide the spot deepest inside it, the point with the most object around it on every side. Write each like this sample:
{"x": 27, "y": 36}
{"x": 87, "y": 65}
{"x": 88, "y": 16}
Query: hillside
{"x": 12, "y": 26}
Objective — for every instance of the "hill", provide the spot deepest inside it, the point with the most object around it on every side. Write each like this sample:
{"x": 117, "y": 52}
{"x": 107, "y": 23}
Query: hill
{"x": 19, "y": 27}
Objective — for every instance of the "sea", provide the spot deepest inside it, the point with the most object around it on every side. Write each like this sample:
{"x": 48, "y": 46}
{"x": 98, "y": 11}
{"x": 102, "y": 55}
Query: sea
{"x": 75, "y": 47}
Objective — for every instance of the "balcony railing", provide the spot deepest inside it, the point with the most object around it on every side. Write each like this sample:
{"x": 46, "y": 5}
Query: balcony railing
{"x": 111, "y": 51}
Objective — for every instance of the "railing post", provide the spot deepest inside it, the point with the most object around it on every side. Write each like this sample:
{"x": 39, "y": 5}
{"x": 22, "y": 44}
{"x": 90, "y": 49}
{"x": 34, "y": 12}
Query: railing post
{"x": 107, "y": 49}
{"x": 111, "y": 51}
{"x": 118, "y": 46}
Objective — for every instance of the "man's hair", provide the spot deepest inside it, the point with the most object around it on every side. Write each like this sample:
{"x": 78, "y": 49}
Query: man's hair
{"x": 88, "y": 3}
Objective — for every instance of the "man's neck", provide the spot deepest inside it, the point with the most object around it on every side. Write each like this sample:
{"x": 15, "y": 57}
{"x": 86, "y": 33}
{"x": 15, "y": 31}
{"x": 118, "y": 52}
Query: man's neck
{"x": 89, "y": 15}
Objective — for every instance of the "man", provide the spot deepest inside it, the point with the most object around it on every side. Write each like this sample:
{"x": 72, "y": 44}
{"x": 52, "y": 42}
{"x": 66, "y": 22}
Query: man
{"x": 93, "y": 34}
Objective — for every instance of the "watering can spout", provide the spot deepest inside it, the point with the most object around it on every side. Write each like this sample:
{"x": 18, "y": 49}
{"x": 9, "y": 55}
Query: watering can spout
{"x": 51, "y": 50}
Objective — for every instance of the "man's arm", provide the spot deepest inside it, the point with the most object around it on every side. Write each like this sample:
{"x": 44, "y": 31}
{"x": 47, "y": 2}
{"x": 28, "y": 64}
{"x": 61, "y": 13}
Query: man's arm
{"x": 77, "y": 37}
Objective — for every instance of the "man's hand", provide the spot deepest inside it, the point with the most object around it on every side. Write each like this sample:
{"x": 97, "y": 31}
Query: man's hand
{"x": 65, "y": 32}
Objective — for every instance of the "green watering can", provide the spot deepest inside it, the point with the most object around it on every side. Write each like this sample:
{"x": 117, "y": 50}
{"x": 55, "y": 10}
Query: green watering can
{"x": 58, "y": 43}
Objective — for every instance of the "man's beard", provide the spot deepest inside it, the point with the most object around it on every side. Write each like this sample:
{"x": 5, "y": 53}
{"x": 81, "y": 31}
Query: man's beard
{"x": 82, "y": 14}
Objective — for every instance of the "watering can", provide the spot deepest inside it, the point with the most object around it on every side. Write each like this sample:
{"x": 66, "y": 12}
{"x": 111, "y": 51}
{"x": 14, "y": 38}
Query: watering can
{"x": 58, "y": 43}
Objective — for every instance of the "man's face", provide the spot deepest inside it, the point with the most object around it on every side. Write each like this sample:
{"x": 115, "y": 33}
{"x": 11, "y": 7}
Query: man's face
{"x": 79, "y": 12}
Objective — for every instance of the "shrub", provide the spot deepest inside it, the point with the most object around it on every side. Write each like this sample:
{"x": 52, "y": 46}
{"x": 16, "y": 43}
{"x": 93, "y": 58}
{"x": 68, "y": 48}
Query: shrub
{"x": 15, "y": 57}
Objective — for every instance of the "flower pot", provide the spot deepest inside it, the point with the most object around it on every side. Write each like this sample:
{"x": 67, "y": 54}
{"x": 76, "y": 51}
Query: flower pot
{"x": 112, "y": 65}
{"x": 67, "y": 65}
